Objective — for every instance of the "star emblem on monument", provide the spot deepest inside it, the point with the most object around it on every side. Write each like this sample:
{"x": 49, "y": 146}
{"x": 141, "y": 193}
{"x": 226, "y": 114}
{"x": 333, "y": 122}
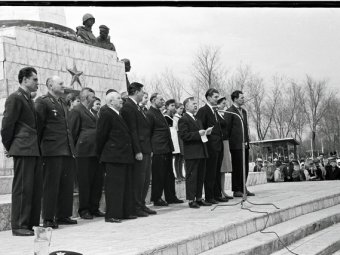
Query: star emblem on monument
{"x": 75, "y": 75}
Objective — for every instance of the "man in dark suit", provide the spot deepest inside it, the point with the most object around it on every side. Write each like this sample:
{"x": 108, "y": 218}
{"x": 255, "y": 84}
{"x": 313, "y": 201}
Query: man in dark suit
{"x": 114, "y": 148}
{"x": 195, "y": 153}
{"x": 234, "y": 134}
{"x": 83, "y": 124}
{"x": 332, "y": 170}
{"x": 140, "y": 129}
{"x": 208, "y": 116}
{"x": 57, "y": 150}
{"x": 20, "y": 139}
{"x": 163, "y": 177}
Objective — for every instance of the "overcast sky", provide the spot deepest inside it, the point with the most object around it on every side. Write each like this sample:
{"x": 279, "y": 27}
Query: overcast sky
{"x": 287, "y": 41}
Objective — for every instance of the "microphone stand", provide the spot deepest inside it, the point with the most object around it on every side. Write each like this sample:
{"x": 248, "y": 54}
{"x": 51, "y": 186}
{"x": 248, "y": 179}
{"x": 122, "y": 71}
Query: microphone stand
{"x": 244, "y": 197}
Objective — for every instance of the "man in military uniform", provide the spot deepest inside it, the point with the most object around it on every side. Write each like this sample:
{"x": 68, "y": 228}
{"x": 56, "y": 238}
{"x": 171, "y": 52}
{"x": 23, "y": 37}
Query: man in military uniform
{"x": 103, "y": 40}
{"x": 85, "y": 32}
{"x": 19, "y": 137}
{"x": 57, "y": 150}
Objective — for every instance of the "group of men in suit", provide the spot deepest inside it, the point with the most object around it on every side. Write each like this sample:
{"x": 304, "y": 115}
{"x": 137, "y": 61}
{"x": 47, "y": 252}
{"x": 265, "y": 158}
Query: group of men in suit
{"x": 203, "y": 138}
{"x": 122, "y": 142}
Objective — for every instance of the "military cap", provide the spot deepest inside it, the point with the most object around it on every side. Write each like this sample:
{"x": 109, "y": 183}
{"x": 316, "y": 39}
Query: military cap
{"x": 103, "y": 27}
{"x": 87, "y": 16}
{"x": 65, "y": 253}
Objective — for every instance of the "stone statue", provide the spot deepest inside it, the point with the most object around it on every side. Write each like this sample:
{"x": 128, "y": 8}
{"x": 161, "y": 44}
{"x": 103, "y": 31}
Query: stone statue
{"x": 85, "y": 32}
{"x": 103, "y": 40}
{"x": 127, "y": 69}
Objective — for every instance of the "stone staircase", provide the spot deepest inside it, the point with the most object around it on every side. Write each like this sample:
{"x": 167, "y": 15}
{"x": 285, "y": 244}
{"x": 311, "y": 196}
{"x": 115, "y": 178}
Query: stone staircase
{"x": 6, "y": 178}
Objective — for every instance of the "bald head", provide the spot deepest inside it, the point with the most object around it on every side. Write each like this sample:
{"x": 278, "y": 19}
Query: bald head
{"x": 55, "y": 85}
{"x": 114, "y": 99}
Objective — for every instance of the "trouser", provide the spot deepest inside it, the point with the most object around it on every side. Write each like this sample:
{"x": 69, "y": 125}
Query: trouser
{"x": 141, "y": 180}
{"x": 195, "y": 172}
{"x": 163, "y": 177}
{"x": 237, "y": 174}
{"x": 179, "y": 165}
{"x": 90, "y": 182}
{"x": 58, "y": 181}
{"x": 118, "y": 190}
{"x": 26, "y": 192}
{"x": 212, "y": 182}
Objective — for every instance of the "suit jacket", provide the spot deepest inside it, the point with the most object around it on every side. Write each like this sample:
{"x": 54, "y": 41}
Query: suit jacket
{"x": 161, "y": 142}
{"x": 139, "y": 126}
{"x": 54, "y": 132}
{"x": 207, "y": 117}
{"x": 114, "y": 143}
{"x": 188, "y": 129}
{"x": 234, "y": 128}
{"x": 19, "y": 125}
{"x": 83, "y": 125}
{"x": 332, "y": 175}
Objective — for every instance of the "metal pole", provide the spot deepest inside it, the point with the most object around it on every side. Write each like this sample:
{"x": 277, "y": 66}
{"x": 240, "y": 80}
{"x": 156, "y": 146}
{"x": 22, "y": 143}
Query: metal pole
{"x": 244, "y": 198}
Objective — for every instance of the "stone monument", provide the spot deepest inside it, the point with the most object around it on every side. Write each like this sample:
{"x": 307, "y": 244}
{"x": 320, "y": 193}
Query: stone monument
{"x": 38, "y": 37}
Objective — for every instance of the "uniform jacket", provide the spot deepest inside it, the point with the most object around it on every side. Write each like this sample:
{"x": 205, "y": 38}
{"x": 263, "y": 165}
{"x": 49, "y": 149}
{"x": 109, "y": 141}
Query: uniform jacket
{"x": 106, "y": 44}
{"x": 161, "y": 142}
{"x": 114, "y": 143}
{"x": 234, "y": 128}
{"x": 207, "y": 117}
{"x": 139, "y": 126}
{"x": 19, "y": 125}
{"x": 86, "y": 35}
{"x": 188, "y": 129}
{"x": 83, "y": 125}
{"x": 54, "y": 132}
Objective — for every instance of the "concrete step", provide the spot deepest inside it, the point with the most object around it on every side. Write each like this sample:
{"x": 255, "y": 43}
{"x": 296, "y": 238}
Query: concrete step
{"x": 288, "y": 231}
{"x": 6, "y": 184}
{"x": 178, "y": 229}
{"x": 323, "y": 242}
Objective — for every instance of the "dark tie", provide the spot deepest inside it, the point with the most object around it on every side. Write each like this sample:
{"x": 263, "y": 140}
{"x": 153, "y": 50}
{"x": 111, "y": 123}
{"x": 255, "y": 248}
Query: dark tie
{"x": 141, "y": 110}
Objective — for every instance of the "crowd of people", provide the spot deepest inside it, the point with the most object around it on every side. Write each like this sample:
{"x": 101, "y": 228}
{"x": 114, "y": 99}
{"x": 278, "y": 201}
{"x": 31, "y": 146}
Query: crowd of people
{"x": 310, "y": 169}
{"x": 119, "y": 146}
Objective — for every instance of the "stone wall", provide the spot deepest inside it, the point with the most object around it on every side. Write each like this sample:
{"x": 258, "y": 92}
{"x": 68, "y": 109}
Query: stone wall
{"x": 52, "y": 55}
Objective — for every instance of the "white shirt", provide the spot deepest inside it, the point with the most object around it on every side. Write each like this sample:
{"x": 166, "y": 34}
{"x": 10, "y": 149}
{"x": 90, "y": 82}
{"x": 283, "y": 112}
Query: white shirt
{"x": 191, "y": 115}
{"x": 211, "y": 107}
{"x": 114, "y": 110}
{"x": 133, "y": 100}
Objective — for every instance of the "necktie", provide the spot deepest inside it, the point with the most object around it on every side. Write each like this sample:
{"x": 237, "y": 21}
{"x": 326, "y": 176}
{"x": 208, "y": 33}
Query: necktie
{"x": 141, "y": 110}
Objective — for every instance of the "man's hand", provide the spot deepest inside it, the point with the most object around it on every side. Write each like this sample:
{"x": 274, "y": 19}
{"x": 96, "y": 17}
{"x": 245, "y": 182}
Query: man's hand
{"x": 139, "y": 156}
{"x": 6, "y": 153}
{"x": 202, "y": 132}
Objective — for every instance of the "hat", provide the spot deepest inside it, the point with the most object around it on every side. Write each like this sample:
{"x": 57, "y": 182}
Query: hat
{"x": 103, "y": 27}
{"x": 221, "y": 99}
{"x": 87, "y": 16}
{"x": 65, "y": 253}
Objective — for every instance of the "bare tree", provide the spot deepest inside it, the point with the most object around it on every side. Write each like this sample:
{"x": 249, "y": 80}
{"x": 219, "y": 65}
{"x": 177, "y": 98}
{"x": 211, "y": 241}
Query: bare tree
{"x": 315, "y": 101}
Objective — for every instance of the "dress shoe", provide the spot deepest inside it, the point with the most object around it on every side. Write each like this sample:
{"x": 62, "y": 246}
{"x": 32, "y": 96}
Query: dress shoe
{"x": 66, "y": 221}
{"x": 194, "y": 204}
{"x": 203, "y": 203}
{"x": 238, "y": 194}
{"x": 175, "y": 201}
{"x": 98, "y": 214}
{"x": 141, "y": 213}
{"x": 22, "y": 232}
{"x": 222, "y": 199}
{"x": 86, "y": 216}
{"x": 130, "y": 217}
{"x": 113, "y": 220}
{"x": 229, "y": 197}
{"x": 160, "y": 202}
{"x": 50, "y": 224}
{"x": 212, "y": 201}
{"x": 148, "y": 210}
{"x": 250, "y": 194}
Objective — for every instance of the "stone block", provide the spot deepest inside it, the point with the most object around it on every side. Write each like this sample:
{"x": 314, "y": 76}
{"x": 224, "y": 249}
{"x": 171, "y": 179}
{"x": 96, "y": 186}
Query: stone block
{"x": 46, "y": 43}
{"x": 26, "y": 38}
{"x": 241, "y": 230}
{"x": 32, "y": 57}
{"x": 12, "y": 53}
{"x": 194, "y": 247}
{"x": 5, "y": 212}
{"x": 182, "y": 249}
{"x": 6, "y": 184}
{"x": 170, "y": 251}
{"x": 12, "y": 70}
{"x": 219, "y": 237}
{"x": 251, "y": 226}
{"x": 207, "y": 242}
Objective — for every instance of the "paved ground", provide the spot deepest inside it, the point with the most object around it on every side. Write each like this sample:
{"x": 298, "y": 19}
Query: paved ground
{"x": 172, "y": 224}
